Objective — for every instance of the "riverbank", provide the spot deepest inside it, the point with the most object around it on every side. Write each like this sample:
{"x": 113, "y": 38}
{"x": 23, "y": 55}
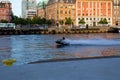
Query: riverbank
{"x": 51, "y": 31}
{"x": 94, "y": 69}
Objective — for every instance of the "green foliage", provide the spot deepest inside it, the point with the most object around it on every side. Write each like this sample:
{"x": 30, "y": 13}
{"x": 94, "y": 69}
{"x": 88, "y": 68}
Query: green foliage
{"x": 49, "y": 22}
{"x": 61, "y": 22}
{"x": 103, "y": 21}
{"x": 68, "y": 21}
{"x": 4, "y": 21}
{"x": 82, "y": 21}
{"x": 26, "y": 21}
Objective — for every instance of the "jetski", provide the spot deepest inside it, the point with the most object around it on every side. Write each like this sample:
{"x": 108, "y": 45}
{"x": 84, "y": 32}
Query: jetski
{"x": 62, "y": 42}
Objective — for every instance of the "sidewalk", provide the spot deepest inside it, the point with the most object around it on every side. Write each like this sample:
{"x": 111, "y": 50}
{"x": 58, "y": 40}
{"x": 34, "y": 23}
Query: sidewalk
{"x": 93, "y": 69}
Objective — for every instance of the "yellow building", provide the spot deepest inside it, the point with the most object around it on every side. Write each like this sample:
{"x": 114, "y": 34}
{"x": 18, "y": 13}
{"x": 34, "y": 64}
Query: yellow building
{"x": 60, "y": 10}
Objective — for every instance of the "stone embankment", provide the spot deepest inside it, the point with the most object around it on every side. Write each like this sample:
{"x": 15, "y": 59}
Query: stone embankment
{"x": 51, "y": 31}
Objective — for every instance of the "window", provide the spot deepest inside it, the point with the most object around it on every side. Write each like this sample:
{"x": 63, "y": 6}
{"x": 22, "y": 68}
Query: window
{"x": 61, "y": 12}
{"x": 69, "y": 12}
{"x": 65, "y": 12}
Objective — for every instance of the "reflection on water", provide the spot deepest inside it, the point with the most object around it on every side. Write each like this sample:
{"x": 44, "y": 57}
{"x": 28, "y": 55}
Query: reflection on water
{"x": 29, "y": 48}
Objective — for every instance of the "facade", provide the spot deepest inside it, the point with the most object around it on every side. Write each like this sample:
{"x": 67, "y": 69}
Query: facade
{"x": 92, "y": 11}
{"x": 28, "y": 6}
{"x": 60, "y": 10}
{"x": 5, "y": 10}
{"x": 41, "y": 8}
{"x": 116, "y": 12}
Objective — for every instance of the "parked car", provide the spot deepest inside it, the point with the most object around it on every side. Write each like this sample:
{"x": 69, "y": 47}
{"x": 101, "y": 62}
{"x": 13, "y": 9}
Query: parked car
{"x": 82, "y": 26}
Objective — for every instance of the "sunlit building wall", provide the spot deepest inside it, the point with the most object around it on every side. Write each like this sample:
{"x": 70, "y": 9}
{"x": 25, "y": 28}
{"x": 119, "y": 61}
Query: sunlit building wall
{"x": 60, "y": 10}
{"x": 92, "y": 11}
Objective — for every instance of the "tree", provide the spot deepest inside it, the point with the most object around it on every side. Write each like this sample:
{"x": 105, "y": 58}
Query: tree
{"x": 61, "y": 22}
{"x": 68, "y": 21}
{"x": 103, "y": 21}
{"x": 49, "y": 22}
{"x": 43, "y": 21}
{"x": 28, "y": 21}
{"x": 82, "y": 21}
{"x": 35, "y": 20}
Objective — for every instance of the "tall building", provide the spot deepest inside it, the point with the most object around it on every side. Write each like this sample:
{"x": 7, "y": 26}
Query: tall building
{"x": 5, "y": 10}
{"x": 29, "y": 8}
{"x": 60, "y": 10}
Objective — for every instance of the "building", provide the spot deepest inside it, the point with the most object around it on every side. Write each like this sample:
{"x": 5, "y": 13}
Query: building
{"x": 29, "y": 8}
{"x": 30, "y": 13}
{"x": 116, "y": 12}
{"x": 60, "y": 10}
{"x": 41, "y": 8}
{"x": 5, "y": 10}
{"x": 92, "y": 11}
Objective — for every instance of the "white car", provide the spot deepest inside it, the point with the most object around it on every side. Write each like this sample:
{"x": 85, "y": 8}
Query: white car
{"x": 82, "y": 26}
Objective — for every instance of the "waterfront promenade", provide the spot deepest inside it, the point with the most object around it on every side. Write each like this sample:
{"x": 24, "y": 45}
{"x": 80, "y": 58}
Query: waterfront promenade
{"x": 93, "y": 69}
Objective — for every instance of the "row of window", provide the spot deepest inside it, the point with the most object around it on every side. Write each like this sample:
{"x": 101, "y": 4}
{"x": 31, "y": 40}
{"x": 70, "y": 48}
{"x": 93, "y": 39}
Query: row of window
{"x": 67, "y": 6}
{"x": 4, "y": 6}
{"x": 102, "y": 14}
{"x": 65, "y": 12}
{"x": 93, "y": 18}
{"x": 4, "y": 17}
{"x": 4, "y": 11}
{"x": 86, "y": 3}
{"x": 94, "y": 9}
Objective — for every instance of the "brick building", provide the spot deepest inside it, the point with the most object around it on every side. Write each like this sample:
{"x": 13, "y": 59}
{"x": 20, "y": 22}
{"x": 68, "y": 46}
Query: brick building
{"x": 5, "y": 10}
{"x": 92, "y": 11}
{"x": 60, "y": 10}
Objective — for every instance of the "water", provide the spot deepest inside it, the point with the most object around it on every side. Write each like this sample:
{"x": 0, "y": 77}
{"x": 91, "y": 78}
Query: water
{"x": 30, "y": 48}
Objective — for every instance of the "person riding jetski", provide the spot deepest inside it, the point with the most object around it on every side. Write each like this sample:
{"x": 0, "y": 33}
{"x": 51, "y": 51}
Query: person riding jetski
{"x": 63, "y": 38}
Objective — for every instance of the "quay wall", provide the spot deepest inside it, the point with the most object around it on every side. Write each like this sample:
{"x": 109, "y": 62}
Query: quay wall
{"x": 51, "y": 31}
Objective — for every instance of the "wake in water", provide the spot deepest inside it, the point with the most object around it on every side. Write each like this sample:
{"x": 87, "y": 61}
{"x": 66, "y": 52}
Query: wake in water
{"x": 102, "y": 42}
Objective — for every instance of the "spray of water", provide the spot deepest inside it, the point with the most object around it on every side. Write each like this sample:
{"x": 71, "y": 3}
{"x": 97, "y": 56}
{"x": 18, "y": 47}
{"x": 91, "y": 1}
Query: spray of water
{"x": 93, "y": 42}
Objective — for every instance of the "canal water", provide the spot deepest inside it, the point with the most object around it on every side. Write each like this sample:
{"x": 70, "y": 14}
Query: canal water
{"x": 30, "y": 48}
